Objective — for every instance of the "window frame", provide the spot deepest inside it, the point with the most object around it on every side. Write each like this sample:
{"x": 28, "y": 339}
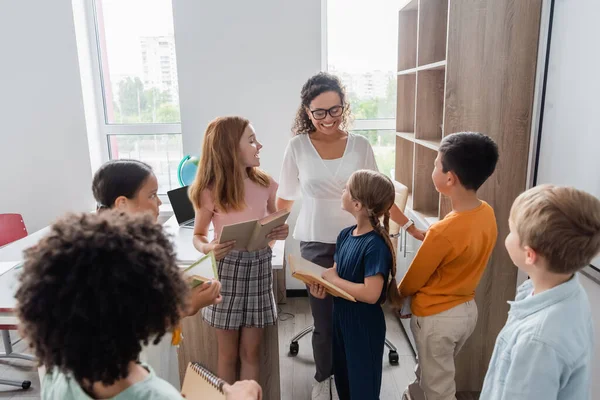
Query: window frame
{"x": 358, "y": 124}
{"x": 104, "y": 128}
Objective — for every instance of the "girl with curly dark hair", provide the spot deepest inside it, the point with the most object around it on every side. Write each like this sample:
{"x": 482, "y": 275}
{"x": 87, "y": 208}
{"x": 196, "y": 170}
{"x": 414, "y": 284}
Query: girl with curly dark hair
{"x": 93, "y": 291}
{"x": 318, "y": 162}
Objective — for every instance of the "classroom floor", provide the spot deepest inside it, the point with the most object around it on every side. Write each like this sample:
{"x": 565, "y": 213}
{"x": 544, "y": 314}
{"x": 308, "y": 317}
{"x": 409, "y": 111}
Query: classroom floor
{"x": 19, "y": 370}
{"x": 296, "y": 372}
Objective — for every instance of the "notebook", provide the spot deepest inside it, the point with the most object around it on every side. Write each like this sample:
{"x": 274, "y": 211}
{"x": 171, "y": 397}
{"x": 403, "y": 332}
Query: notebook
{"x": 252, "y": 235}
{"x": 308, "y": 272}
{"x": 201, "y": 384}
{"x": 202, "y": 270}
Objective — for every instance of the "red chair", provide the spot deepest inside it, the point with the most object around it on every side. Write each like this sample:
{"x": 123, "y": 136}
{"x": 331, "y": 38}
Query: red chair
{"x": 12, "y": 228}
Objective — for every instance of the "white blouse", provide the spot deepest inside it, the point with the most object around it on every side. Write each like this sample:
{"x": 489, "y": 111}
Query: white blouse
{"x": 320, "y": 184}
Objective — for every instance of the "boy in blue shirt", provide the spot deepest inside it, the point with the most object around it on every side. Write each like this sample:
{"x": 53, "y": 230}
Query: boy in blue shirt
{"x": 544, "y": 350}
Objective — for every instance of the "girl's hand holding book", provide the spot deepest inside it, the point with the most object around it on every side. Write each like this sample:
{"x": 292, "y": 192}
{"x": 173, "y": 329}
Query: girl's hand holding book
{"x": 330, "y": 274}
{"x": 317, "y": 291}
{"x": 220, "y": 249}
{"x": 279, "y": 233}
{"x": 243, "y": 390}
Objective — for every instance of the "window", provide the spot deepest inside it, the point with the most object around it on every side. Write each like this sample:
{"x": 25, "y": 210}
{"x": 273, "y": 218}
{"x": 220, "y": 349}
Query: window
{"x": 384, "y": 147}
{"x": 162, "y": 152}
{"x": 137, "y": 75}
{"x": 362, "y": 51}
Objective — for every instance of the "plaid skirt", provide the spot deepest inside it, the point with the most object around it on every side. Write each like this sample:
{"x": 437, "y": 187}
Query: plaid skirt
{"x": 247, "y": 289}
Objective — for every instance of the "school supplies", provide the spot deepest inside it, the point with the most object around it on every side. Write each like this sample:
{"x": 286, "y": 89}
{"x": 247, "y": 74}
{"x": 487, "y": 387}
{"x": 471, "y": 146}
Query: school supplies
{"x": 202, "y": 270}
{"x": 310, "y": 273}
{"x": 252, "y": 235}
{"x": 201, "y": 384}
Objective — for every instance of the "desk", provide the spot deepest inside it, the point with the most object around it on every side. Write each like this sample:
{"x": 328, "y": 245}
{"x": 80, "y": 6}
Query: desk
{"x": 9, "y": 282}
{"x": 200, "y": 341}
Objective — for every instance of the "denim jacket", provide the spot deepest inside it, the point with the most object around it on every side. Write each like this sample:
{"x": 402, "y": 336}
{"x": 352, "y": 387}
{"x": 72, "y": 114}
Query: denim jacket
{"x": 544, "y": 351}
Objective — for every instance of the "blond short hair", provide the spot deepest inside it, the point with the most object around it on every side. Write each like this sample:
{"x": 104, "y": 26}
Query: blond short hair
{"x": 562, "y": 224}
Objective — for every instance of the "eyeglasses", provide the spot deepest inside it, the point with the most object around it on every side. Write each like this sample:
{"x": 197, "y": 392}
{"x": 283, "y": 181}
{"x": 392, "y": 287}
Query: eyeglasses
{"x": 320, "y": 113}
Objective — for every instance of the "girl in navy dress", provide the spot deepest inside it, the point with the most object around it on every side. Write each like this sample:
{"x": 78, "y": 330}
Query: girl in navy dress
{"x": 365, "y": 267}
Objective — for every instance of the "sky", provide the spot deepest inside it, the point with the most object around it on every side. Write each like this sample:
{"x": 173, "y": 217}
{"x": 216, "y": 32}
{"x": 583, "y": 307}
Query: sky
{"x": 362, "y": 34}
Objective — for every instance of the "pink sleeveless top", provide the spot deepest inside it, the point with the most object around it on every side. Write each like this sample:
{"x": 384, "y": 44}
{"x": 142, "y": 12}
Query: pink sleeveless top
{"x": 256, "y": 197}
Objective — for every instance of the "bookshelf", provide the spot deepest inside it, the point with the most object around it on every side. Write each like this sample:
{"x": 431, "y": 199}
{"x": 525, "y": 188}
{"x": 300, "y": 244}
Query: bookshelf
{"x": 460, "y": 68}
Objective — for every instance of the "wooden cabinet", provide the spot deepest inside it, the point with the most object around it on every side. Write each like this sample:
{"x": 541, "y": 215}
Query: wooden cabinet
{"x": 468, "y": 65}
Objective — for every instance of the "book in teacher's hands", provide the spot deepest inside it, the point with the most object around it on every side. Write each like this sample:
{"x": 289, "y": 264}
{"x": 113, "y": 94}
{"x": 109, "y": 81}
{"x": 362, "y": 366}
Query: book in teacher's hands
{"x": 202, "y": 270}
{"x": 310, "y": 273}
{"x": 201, "y": 384}
{"x": 252, "y": 235}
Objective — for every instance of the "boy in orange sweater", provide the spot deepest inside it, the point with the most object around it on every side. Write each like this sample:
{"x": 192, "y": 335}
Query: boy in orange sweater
{"x": 449, "y": 264}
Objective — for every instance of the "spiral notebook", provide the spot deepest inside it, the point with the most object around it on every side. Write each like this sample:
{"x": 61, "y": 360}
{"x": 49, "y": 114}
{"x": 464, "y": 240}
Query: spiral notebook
{"x": 201, "y": 384}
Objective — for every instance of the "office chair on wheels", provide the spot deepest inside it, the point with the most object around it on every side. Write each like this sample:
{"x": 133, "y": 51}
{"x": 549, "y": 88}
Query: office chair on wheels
{"x": 295, "y": 347}
{"x": 401, "y": 199}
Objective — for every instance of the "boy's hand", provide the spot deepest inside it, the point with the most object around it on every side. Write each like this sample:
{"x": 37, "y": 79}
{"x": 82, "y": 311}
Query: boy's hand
{"x": 317, "y": 291}
{"x": 416, "y": 233}
{"x": 204, "y": 295}
{"x": 279, "y": 233}
{"x": 330, "y": 274}
{"x": 221, "y": 249}
{"x": 243, "y": 390}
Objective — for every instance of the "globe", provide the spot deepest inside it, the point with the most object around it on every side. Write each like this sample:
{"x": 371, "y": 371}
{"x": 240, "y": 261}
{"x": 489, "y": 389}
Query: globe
{"x": 186, "y": 172}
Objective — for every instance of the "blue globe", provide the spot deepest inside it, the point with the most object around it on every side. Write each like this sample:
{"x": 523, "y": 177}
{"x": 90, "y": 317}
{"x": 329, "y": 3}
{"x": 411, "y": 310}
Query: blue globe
{"x": 187, "y": 170}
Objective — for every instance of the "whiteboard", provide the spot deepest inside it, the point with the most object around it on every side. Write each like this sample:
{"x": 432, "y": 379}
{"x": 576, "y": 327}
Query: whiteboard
{"x": 570, "y": 134}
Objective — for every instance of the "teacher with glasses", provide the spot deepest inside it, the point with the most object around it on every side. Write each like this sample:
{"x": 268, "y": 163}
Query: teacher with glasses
{"x": 318, "y": 162}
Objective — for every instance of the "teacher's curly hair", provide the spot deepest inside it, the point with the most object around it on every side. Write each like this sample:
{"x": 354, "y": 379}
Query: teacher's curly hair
{"x": 95, "y": 289}
{"x": 320, "y": 83}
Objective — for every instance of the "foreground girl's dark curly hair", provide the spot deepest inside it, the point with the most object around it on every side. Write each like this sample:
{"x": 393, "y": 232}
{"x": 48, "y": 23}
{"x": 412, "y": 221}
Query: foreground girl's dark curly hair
{"x": 94, "y": 289}
{"x": 316, "y": 85}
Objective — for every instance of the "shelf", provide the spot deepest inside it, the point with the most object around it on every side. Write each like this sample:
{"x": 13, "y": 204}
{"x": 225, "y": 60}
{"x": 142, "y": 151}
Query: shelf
{"x": 440, "y": 65}
{"x": 430, "y": 104}
{"x": 404, "y": 162}
{"x": 406, "y": 135}
{"x": 430, "y": 144}
{"x": 428, "y": 218}
{"x": 433, "y": 26}
{"x": 408, "y": 20}
{"x": 426, "y": 198}
{"x": 405, "y": 105}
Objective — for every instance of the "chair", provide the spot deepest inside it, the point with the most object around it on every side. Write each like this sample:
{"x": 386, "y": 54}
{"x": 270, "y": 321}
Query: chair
{"x": 12, "y": 228}
{"x": 400, "y": 201}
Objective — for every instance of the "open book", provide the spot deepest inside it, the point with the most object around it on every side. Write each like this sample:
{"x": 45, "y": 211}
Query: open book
{"x": 202, "y": 270}
{"x": 310, "y": 273}
{"x": 201, "y": 384}
{"x": 252, "y": 235}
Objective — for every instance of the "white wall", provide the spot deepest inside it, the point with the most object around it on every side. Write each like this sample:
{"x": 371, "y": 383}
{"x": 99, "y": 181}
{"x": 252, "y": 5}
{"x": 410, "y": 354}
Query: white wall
{"x": 570, "y": 141}
{"x": 44, "y": 157}
{"x": 248, "y": 58}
